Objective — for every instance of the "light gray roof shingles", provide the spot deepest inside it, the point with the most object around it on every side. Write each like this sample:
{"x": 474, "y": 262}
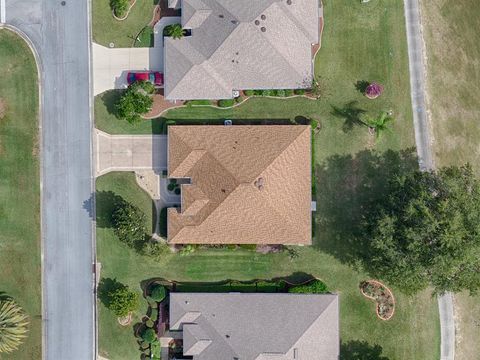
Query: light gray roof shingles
{"x": 258, "y": 326}
{"x": 229, "y": 51}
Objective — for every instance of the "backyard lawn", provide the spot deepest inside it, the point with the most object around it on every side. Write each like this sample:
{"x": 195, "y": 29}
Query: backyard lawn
{"x": 106, "y": 29}
{"x": 360, "y": 42}
{"x": 451, "y": 35}
{"x": 19, "y": 187}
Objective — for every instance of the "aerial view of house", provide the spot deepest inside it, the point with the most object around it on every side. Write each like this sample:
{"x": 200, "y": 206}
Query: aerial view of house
{"x": 241, "y": 184}
{"x": 239, "y": 45}
{"x": 239, "y": 180}
{"x": 256, "y": 326}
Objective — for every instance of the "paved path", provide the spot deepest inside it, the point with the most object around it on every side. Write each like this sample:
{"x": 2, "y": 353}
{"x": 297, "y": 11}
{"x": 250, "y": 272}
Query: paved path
{"x": 60, "y": 33}
{"x": 424, "y": 149}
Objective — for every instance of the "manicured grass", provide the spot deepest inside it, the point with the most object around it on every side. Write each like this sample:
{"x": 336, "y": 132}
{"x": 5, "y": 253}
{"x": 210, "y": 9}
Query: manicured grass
{"x": 467, "y": 311}
{"x": 413, "y": 333}
{"x": 361, "y": 42}
{"x": 145, "y": 38}
{"x": 453, "y": 49}
{"x": 106, "y": 29}
{"x": 19, "y": 187}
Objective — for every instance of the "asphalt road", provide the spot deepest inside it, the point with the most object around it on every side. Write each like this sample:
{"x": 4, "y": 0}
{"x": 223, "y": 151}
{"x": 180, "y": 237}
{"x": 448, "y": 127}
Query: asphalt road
{"x": 423, "y": 141}
{"x": 61, "y": 36}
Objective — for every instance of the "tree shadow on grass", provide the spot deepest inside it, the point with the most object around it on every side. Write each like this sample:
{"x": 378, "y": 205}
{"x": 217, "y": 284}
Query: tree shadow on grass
{"x": 361, "y": 350}
{"x": 110, "y": 99}
{"x": 350, "y": 113}
{"x": 105, "y": 287}
{"x": 106, "y": 203}
{"x": 361, "y": 86}
{"x": 347, "y": 186}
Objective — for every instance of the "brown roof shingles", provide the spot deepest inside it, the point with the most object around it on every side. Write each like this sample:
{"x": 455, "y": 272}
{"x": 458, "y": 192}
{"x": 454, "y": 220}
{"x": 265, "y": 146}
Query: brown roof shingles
{"x": 249, "y": 184}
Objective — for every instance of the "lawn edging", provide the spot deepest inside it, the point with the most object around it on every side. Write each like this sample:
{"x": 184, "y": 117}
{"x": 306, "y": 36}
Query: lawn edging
{"x": 126, "y": 15}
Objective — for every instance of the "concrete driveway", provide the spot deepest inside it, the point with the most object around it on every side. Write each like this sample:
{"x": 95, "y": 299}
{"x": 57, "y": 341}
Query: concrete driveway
{"x": 111, "y": 65}
{"x": 129, "y": 152}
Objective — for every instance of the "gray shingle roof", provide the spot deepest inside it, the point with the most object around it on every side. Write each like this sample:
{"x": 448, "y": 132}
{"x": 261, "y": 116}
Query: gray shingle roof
{"x": 257, "y": 326}
{"x": 236, "y": 45}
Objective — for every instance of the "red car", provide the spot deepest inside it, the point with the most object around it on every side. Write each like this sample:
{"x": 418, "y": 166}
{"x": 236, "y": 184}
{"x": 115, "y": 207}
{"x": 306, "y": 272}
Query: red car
{"x": 155, "y": 77}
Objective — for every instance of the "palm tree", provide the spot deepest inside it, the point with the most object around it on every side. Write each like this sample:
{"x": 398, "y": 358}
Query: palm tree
{"x": 13, "y": 326}
{"x": 378, "y": 124}
{"x": 175, "y": 31}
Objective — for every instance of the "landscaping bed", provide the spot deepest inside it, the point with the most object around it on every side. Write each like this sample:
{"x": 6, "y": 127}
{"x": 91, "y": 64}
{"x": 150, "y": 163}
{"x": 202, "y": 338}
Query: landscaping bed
{"x": 383, "y": 297}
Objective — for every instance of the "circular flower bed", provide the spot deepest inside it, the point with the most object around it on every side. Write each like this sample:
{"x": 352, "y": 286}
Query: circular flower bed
{"x": 373, "y": 90}
{"x": 382, "y": 295}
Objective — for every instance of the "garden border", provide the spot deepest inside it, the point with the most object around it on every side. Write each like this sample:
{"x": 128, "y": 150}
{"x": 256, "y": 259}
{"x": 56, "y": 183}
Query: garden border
{"x": 376, "y": 303}
{"x": 126, "y": 15}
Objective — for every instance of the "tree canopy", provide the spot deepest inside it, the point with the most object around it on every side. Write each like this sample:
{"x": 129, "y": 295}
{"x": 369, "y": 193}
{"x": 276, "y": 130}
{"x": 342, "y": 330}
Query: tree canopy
{"x": 426, "y": 231}
{"x": 129, "y": 224}
{"x": 136, "y": 101}
{"x": 122, "y": 301}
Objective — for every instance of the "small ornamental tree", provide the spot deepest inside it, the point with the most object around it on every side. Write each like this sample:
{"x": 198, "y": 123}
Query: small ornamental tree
{"x": 129, "y": 223}
{"x": 136, "y": 101}
{"x": 379, "y": 124}
{"x": 373, "y": 90}
{"x": 119, "y": 7}
{"x": 174, "y": 31}
{"x": 158, "y": 293}
{"x": 122, "y": 301}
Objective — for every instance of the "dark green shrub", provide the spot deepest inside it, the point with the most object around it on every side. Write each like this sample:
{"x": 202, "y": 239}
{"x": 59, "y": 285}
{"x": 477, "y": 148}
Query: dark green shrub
{"x": 249, "y": 92}
{"x": 171, "y": 187}
{"x": 135, "y": 101}
{"x": 248, "y": 246}
{"x": 129, "y": 224}
{"x": 177, "y": 191}
{"x": 314, "y": 287}
{"x": 299, "y": 91}
{"x": 280, "y": 93}
{"x": 158, "y": 293}
{"x": 268, "y": 93}
{"x": 149, "y": 335}
{"x": 122, "y": 301}
{"x": 258, "y": 92}
{"x": 198, "y": 102}
{"x": 289, "y": 92}
{"x": 119, "y": 7}
{"x": 226, "y": 102}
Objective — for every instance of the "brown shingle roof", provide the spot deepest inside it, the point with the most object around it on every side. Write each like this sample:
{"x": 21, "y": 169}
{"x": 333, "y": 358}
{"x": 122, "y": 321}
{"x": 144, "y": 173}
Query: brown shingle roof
{"x": 249, "y": 184}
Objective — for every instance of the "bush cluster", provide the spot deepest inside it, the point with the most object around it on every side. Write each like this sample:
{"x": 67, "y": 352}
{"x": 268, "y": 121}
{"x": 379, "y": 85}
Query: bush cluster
{"x": 313, "y": 287}
{"x": 271, "y": 92}
{"x": 226, "y": 102}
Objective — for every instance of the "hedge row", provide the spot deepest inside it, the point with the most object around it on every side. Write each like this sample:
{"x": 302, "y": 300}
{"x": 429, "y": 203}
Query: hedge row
{"x": 278, "y": 92}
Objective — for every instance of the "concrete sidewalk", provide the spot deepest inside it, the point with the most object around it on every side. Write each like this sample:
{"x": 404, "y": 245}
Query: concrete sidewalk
{"x": 111, "y": 65}
{"x": 129, "y": 152}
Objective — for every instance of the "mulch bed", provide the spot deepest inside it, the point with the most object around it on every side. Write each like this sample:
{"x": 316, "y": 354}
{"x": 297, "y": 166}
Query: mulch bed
{"x": 383, "y": 296}
{"x": 160, "y": 105}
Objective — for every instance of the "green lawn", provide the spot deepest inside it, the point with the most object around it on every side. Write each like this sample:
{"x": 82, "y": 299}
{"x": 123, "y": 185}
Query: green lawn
{"x": 361, "y": 42}
{"x": 19, "y": 187}
{"x": 106, "y": 29}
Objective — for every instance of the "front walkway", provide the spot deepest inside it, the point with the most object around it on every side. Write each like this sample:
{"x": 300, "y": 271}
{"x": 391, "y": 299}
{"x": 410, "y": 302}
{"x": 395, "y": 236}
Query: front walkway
{"x": 111, "y": 65}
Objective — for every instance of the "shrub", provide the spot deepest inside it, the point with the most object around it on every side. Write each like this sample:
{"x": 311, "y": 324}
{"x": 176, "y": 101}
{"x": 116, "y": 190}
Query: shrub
{"x": 119, "y": 7}
{"x": 129, "y": 223}
{"x": 149, "y": 323}
{"x": 177, "y": 191}
{"x": 268, "y": 93}
{"x": 153, "y": 314}
{"x": 122, "y": 301}
{"x": 149, "y": 335}
{"x": 314, "y": 287}
{"x": 280, "y": 92}
{"x": 258, "y": 92}
{"x": 135, "y": 102}
{"x": 158, "y": 293}
{"x": 13, "y": 325}
{"x": 174, "y": 30}
{"x": 144, "y": 345}
{"x": 187, "y": 249}
{"x": 171, "y": 187}
{"x": 198, "y": 102}
{"x": 249, "y": 92}
{"x": 299, "y": 91}
{"x": 289, "y": 92}
{"x": 156, "y": 350}
{"x": 157, "y": 250}
{"x": 226, "y": 102}
{"x": 248, "y": 246}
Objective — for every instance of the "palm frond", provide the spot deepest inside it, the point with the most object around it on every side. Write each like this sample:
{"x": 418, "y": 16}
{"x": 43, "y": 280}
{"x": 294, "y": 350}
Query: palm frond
{"x": 13, "y": 326}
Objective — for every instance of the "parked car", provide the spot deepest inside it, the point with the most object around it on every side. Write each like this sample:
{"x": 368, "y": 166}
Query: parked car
{"x": 155, "y": 77}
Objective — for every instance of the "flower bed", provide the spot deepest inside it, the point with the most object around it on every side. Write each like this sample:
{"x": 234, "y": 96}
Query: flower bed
{"x": 382, "y": 295}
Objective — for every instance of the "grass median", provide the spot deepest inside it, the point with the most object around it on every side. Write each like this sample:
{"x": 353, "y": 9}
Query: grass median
{"x": 20, "y": 187}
